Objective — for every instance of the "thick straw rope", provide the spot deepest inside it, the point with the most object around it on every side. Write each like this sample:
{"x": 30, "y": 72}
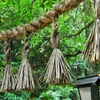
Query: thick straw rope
{"x": 42, "y": 21}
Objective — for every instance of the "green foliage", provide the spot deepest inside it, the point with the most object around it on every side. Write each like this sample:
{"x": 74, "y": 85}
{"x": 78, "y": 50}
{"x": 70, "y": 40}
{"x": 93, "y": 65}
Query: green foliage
{"x": 58, "y": 93}
{"x": 16, "y": 96}
{"x": 72, "y": 41}
{"x": 50, "y": 93}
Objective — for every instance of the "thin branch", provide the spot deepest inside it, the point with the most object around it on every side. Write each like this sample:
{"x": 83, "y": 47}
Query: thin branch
{"x": 74, "y": 54}
{"x": 79, "y": 32}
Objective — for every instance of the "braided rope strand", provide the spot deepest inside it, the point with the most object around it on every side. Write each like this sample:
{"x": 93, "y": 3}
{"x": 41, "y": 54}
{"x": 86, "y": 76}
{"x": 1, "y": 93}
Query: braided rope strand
{"x": 26, "y": 49}
{"x": 8, "y": 52}
{"x": 55, "y": 35}
{"x": 42, "y": 21}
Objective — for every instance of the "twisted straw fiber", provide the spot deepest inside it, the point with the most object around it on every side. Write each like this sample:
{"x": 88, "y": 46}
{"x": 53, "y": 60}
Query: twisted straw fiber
{"x": 42, "y": 21}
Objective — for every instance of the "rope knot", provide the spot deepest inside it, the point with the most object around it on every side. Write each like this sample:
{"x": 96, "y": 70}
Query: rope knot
{"x": 26, "y": 49}
{"x": 55, "y": 35}
{"x": 8, "y": 51}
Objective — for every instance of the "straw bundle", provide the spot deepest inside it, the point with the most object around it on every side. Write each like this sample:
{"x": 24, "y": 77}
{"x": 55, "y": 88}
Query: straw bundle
{"x": 92, "y": 51}
{"x": 25, "y": 76}
{"x": 92, "y": 48}
{"x": 8, "y": 79}
{"x": 57, "y": 69}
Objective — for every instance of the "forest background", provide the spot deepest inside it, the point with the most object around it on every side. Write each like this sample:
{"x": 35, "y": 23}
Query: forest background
{"x": 74, "y": 28}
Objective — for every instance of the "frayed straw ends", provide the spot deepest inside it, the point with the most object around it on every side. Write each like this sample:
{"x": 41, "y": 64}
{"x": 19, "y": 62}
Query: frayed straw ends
{"x": 92, "y": 47}
{"x": 57, "y": 70}
{"x": 25, "y": 77}
{"x": 8, "y": 80}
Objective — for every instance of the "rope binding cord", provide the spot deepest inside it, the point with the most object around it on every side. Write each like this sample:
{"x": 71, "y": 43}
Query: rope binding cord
{"x": 8, "y": 79}
{"x": 57, "y": 70}
{"x": 55, "y": 35}
{"x": 24, "y": 79}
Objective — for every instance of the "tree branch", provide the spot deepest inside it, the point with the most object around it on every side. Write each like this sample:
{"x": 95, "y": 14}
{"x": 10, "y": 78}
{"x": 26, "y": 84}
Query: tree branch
{"x": 74, "y": 54}
{"x": 79, "y": 32}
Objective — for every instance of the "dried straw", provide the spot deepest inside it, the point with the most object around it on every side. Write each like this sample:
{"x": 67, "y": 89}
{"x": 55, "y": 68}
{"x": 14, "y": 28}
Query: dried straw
{"x": 57, "y": 69}
{"x": 92, "y": 47}
{"x": 25, "y": 77}
{"x": 8, "y": 80}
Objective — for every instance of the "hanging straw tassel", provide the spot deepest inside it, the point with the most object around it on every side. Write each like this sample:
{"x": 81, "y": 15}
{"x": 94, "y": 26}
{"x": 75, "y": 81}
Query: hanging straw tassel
{"x": 57, "y": 70}
{"x": 25, "y": 76}
{"x": 92, "y": 47}
{"x": 8, "y": 80}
